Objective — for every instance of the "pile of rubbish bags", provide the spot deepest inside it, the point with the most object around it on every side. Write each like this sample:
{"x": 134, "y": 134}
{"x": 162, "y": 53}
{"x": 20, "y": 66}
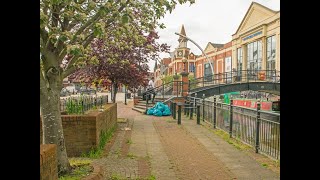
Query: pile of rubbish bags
{"x": 159, "y": 109}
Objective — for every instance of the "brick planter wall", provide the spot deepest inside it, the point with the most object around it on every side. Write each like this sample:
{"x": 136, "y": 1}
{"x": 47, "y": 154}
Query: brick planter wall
{"x": 48, "y": 162}
{"x": 82, "y": 132}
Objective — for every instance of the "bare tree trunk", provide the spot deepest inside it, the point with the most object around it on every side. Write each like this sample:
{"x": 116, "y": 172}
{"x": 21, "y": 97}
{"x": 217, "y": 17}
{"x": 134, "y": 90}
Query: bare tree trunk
{"x": 114, "y": 91}
{"x": 111, "y": 92}
{"x": 51, "y": 120}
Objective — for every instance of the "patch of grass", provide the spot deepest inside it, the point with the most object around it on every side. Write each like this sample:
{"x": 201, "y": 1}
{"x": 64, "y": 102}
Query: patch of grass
{"x": 152, "y": 177}
{"x": 79, "y": 161}
{"x": 118, "y": 151}
{"x": 80, "y": 169}
{"x": 265, "y": 162}
{"x": 121, "y": 120}
{"x": 148, "y": 157}
{"x": 131, "y": 156}
{"x": 116, "y": 177}
{"x": 105, "y": 136}
{"x": 236, "y": 143}
{"x": 129, "y": 141}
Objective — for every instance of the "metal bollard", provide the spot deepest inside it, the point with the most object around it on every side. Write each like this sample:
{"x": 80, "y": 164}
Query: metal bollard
{"x": 179, "y": 114}
{"x": 214, "y": 113}
{"x": 188, "y": 109}
{"x": 171, "y": 108}
{"x": 174, "y": 111}
{"x": 258, "y": 127}
{"x": 203, "y": 104}
{"x": 191, "y": 111}
{"x": 198, "y": 114}
{"x": 231, "y": 117}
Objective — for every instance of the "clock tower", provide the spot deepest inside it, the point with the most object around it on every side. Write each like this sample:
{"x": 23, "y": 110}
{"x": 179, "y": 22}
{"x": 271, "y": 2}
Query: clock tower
{"x": 182, "y": 50}
{"x": 182, "y": 60}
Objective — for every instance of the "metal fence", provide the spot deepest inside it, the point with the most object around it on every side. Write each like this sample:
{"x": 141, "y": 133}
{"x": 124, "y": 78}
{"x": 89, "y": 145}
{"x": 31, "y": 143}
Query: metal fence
{"x": 81, "y": 104}
{"x": 241, "y": 123}
{"x": 167, "y": 90}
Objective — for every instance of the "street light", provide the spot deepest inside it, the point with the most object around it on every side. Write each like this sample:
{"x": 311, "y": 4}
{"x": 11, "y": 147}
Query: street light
{"x": 198, "y": 47}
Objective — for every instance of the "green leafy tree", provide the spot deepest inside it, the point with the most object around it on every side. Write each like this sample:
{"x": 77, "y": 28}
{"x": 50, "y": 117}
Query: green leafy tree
{"x": 67, "y": 27}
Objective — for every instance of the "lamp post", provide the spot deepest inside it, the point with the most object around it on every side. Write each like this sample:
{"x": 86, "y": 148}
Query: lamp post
{"x": 198, "y": 47}
{"x": 184, "y": 64}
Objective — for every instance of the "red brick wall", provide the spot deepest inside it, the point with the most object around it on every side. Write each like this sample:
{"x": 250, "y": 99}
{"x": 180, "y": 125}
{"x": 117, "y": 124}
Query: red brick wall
{"x": 228, "y": 53}
{"x": 166, "y": 61}
{"x": 48, "y": 162}
{"x": 82, "y": 132}
{"x": 229, "y": 44}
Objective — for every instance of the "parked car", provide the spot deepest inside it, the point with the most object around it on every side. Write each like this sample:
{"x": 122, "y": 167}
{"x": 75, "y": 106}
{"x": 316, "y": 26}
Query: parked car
{"x": 85, "y": 90}
{"x": 72, "y": 89}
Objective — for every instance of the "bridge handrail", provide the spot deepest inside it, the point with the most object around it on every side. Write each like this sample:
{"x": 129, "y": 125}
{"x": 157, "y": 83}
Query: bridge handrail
{"x": 236, "y": 77}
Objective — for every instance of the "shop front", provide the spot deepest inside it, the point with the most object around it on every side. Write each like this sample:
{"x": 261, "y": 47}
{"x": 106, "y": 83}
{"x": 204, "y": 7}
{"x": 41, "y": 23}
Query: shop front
{"x": 256, "y": 44}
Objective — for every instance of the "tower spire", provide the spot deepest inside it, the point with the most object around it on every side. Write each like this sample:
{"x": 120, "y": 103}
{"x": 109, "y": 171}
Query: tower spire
{"x": 183, "y": 32}
{"x": 182, "y": 40}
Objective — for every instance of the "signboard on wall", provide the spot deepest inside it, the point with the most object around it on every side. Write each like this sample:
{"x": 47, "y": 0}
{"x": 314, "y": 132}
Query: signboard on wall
{"x": 252, "y": 35}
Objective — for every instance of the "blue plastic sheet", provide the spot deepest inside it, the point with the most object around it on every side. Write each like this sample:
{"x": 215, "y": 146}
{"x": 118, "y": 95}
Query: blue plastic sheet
{"x": 157, "y": 112}
{"x": 150, "y": 111}
{"x": 159, "y": 109}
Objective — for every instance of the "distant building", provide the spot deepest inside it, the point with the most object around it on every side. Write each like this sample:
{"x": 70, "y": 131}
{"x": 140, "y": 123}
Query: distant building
{"x": 179, "y": 55}
{"x": 161, "y": 70}
{"x": 254, "y": 46}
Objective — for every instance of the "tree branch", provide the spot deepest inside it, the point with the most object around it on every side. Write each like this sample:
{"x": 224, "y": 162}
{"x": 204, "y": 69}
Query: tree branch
{"x": 88, "y": 40}
{"x": 72, "y": 24}
{"x": 55, "y": 15}
{"x": 82, "y": 28}
{"x": 69, "y": 71}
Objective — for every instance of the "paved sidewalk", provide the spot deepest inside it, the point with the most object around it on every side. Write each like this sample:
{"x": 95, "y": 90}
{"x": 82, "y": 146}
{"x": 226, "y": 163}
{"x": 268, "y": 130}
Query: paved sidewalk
{"x": 240, "y": 164}
{"x": 160, "y": 148}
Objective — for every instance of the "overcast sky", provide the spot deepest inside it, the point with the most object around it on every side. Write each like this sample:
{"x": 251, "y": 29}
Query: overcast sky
{"x": 206, "y": 20}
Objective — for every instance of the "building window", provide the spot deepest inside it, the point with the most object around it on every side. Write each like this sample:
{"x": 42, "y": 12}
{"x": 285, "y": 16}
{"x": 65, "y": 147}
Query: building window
{"x": 208, "y": 71}
{"x": 227, "y": 69}
{"x": 271, "y": 56}
{"x": 191, "y": 67}
{"x": 254, "y": 58}
{"x": 239, "y": 64}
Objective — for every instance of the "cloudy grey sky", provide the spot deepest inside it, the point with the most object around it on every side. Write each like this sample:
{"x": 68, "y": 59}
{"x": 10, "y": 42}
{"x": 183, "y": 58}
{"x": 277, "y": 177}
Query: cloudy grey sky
{"x": 206, "y": 20}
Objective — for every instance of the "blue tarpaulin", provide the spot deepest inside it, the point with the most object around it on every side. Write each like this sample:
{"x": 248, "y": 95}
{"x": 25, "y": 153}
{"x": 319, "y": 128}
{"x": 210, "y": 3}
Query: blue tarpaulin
{"x": 159, "y": 109}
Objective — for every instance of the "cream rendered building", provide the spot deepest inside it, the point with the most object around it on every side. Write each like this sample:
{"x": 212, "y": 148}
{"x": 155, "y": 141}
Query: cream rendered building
{"x": 256, "y": 43}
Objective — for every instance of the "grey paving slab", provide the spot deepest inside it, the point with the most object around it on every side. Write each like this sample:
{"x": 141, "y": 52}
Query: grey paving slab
{"x": 146, "y": 142}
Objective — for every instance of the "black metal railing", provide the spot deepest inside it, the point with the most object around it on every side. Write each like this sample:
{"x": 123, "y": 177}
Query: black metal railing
{"x": 81, "y": 104}
{"x": 164, "y": 91}
{"x": 236, "y": 77}
{"x": 254, "y": 127}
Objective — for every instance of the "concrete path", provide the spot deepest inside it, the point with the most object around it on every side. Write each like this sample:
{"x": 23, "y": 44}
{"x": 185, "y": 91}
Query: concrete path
{"x": 240, "y": 164}
{"x": 160, "y": 148}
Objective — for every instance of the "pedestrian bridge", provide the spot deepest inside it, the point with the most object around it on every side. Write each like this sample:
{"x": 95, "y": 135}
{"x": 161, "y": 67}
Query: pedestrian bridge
{"x": 262, "y": 80}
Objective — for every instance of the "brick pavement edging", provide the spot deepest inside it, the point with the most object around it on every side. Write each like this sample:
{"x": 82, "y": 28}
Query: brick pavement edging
{"x": 97, "y": 173}
{"x": 48, "y": 162}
